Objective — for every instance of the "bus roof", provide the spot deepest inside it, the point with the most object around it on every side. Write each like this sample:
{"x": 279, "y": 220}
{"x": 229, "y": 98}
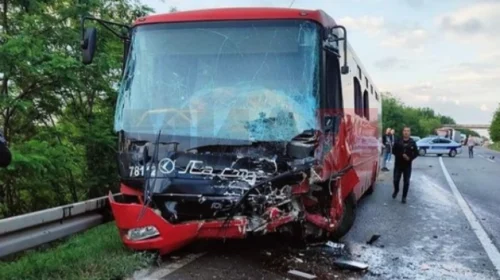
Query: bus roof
{"x": 238, "y": 14}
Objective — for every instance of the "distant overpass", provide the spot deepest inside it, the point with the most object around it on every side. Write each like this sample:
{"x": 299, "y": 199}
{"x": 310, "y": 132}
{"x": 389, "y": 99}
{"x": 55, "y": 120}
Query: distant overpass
{"x": 469, "y": 126}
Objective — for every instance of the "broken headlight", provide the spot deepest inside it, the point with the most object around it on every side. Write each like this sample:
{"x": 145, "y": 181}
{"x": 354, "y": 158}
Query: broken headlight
{"x": 142, "y": 233}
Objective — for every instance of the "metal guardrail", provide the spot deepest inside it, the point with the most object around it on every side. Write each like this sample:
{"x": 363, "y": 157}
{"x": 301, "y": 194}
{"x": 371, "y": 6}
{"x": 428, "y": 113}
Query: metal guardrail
{"x": 26, "y": 231}
{"x": 470, "y": 126}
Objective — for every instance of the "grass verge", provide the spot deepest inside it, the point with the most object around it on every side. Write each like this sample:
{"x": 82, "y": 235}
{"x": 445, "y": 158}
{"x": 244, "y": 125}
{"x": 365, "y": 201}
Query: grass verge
{"x": 495, "y": 146}
{"x": 95, "y": 254}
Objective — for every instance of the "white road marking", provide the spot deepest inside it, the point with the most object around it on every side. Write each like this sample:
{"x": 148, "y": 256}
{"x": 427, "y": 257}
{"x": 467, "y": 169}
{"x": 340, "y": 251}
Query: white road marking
{"x": 488, "y": 159}
{"x": 481, "y": 234}
{"x": 170, "y": 268}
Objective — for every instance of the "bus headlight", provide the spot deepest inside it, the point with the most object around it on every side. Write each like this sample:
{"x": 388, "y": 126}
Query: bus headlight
{"x": 142, "y": 233}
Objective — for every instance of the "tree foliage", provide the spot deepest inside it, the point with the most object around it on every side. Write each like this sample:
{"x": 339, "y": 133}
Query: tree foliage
{"x": 56, "y": 113}
{"x": 495, "y": 126}
{"x": 422, "y": 121}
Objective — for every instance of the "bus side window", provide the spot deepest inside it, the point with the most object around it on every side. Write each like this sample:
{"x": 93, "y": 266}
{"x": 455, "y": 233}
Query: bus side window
{"x": 366, "y": 105}
{"x": 333, "y": 86}
{"x": 358, "y": 102}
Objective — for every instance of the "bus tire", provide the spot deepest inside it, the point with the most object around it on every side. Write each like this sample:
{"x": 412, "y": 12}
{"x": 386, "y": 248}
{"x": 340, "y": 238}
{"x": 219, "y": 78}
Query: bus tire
{"x": 370, "y": 189}
{"x": 347, "y": 219}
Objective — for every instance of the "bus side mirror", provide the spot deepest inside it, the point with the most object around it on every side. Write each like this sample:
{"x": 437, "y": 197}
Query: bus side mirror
{"x": 333, "y": 35}
{"x": 344, "y": 69}
{"x": 88, "y": 45}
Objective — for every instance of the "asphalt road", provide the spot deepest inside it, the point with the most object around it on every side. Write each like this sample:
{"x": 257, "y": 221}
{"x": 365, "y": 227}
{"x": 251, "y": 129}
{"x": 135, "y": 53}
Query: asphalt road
{"x": 427, "y": 238}
{"x": 478, "y": 180}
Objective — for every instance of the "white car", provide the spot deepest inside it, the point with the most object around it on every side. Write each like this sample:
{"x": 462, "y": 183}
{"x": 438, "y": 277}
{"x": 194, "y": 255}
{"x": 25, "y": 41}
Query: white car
{"x": 438, "y": 146}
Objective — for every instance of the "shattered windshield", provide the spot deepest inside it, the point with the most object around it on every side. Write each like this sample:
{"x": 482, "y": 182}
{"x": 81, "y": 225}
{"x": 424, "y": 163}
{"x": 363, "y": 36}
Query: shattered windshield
{"x": 243, "y": 80}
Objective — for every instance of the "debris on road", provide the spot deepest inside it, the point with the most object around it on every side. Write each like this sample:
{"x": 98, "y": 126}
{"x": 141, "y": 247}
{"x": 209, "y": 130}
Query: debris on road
{"x": 299, "y": 260}
{"x": 331, "y": 248}
{"x": 315, "y": 259}
{"x": 337, "y": 247}
{"x": 374, "y": 238}
{"x": 351, "y": 265}
{"x": 302, "y": 274}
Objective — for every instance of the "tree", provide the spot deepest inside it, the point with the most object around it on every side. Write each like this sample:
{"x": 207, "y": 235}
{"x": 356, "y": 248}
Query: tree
{"x": 56, "y": 113}
{"x": 447, "y": 120}
{"x": 495, "y": 126}
{"x": 422, "y": 121}
{"x": 429, "y": 125}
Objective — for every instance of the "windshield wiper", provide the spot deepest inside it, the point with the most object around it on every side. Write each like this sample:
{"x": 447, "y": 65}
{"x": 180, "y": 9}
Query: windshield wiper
{"x": 148, "y": 183}
{"x": 306, "y": 134}
{"x": 243, "y": 143}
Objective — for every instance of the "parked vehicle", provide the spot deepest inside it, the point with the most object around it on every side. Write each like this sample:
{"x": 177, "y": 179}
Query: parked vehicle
{"x": 438, "y": 146}
{"x": 415, "y": 138}
{"x": 462, "y": 138}
{"x": 214, "y": 145}
{"x": 449, "y": 133}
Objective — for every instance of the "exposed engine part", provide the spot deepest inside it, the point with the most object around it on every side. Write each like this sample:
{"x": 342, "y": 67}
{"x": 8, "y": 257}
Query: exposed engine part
{"x": 303, "y": 145}
{"x": 254, "y": 222}
{"x": 223, "y": 181}
{"x": 170, "y": 205}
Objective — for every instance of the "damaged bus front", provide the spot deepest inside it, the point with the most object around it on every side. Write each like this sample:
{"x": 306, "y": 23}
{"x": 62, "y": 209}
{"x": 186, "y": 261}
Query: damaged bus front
{"x": 226, "y": 129}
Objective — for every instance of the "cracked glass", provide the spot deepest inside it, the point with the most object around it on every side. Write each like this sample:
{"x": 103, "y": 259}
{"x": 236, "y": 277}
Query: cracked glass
{"x": 242, "y": 80}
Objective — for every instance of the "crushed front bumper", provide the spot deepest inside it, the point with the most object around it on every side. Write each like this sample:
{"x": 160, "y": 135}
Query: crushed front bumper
{"x": 170, "y": 237}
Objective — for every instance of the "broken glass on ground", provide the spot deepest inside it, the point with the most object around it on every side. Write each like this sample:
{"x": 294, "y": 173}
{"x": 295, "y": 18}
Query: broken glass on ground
{"x": 374, "y": 238}
{"x": 302, "y": 274}
{"x": 330, "y": 248}
{"x": 350, "y": 265}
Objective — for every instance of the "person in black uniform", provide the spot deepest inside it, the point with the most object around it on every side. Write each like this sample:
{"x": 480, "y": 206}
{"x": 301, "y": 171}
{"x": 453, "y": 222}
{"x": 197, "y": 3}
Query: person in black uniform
{"x": 5, "y": 155}
{"x": 405, "y": 151}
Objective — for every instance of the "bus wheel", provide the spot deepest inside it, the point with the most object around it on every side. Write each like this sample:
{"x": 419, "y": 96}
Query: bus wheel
{"x": 347, "y": 219}
{"x": 453, "y": 153}
{"x": 370, "y": 190}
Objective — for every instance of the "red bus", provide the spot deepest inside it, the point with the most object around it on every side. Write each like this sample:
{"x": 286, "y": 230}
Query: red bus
{"x": 240, "y": 121}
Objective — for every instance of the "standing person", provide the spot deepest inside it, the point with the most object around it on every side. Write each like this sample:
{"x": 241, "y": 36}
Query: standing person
{"x": 392, "y": 143}
{"x": 386, "y": 141}
{"x": 470, "y": 143}
{"x": 405, "y": 151}
{"x": 5, "y": 155}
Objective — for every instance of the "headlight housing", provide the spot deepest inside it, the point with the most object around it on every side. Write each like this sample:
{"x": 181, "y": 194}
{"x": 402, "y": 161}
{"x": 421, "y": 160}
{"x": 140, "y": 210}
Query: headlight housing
{"x": 142, "y": 233}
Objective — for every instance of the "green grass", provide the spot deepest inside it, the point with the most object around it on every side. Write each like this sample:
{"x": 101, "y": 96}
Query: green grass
{"x": 95, "y": 254}
{"x": 495, "y": 146}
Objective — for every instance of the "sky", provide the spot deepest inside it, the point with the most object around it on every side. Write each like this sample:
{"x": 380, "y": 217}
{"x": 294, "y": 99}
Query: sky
{"x": 441, "y": 54}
